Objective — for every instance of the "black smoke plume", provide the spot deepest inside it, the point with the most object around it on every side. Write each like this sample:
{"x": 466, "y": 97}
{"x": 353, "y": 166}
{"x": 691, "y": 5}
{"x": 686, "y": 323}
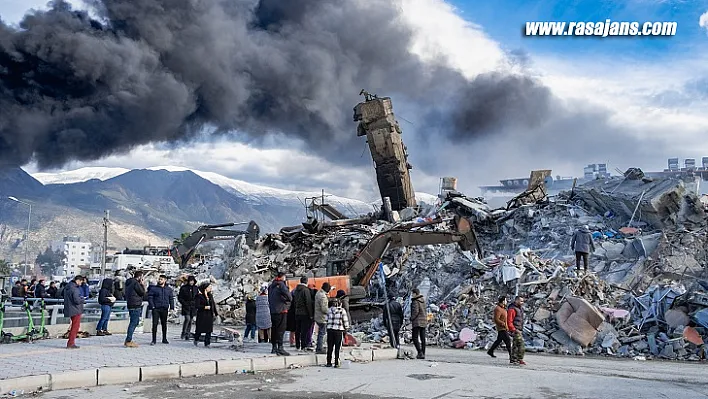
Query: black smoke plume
{"x": 77, "y": 88}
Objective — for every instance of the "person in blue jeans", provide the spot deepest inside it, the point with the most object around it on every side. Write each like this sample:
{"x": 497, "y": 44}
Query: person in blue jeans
{"x": 250, "y": 319}
{"x": 134, "y": 296}
{"x": 106, "y": 300}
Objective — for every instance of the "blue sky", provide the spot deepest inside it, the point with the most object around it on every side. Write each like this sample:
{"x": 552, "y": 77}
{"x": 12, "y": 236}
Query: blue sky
{"x": 504, "y": 19}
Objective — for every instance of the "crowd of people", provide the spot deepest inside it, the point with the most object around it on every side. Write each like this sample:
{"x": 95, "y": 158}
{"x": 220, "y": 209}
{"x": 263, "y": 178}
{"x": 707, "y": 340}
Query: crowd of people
{"x": 275, "y": 310}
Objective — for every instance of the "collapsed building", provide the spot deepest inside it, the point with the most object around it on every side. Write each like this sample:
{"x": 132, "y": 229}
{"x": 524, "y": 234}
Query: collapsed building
{"x": 646, "y": 295}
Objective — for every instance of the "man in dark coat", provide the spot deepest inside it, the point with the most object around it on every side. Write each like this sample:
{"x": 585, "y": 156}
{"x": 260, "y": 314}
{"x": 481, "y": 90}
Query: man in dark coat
{"x": 396, "y": 319}
{"x": 52, "y": 290}
{"x": 279, "y": 299}
{"x": 134, "y": 296}
{"x": 161, "y": 299}
{"x": 39, "y": 290}
{"x": 73, "y": 309}
{"x": 206, "y": 311}
{"x": 583, "y": 246}
{"x": 187, "y": 296}
{"x": 304, "y": 313}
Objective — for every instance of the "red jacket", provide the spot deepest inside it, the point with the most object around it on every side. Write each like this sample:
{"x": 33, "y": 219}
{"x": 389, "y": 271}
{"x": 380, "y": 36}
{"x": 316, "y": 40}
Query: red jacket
{"x": 510, "y": 316}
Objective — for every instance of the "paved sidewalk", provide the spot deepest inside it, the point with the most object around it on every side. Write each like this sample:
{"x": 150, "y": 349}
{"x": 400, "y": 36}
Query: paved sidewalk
{"x": 51, "y": 356}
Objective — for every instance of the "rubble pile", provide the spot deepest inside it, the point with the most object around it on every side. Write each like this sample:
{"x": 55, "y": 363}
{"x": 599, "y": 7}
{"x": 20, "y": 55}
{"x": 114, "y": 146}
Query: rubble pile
{"x": 645, "y": 295}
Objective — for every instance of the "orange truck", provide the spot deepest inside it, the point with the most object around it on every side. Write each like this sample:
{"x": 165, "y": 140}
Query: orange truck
{"x": 336, "y": 282}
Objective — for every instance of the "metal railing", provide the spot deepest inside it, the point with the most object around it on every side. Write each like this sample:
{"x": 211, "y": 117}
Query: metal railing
{"x": 16, "y": 315}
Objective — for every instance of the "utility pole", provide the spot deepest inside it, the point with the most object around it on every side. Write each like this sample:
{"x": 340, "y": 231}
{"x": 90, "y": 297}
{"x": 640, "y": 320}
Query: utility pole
{"x": 29, "y": 220}
{"x": 105, "y": 244}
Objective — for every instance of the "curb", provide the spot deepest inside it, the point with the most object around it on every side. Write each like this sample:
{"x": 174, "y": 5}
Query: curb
{"x": 130, "y": 375}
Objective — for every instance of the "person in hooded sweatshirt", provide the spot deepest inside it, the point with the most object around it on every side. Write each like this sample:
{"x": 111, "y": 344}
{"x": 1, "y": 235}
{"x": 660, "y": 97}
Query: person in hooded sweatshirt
{"x": 419, "y": 320}
{"x": 187, "y": 296}
{"x": 583, "y": 246}
{"x": 106, "y": 301}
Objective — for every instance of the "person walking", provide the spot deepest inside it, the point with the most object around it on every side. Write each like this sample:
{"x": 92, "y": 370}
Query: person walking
{"x": 515, "y": 324}
{"x": 106, "y": 301}
{"x": 396, "y": 319}
{"x": 250, "y": 318}
{"x": 279, "y": 299}
{"x": 187, "y": 296}
{"x": 263, "y": 321}
{"x": 337, "y": 325}
{"x": 419, "y": 320}
{"x": 321, "y": 310}
{"x": 206, "y": 312}
{"x": 303, "y": 313}
{"x": 500, "y": 321}
{"x": 134, "y": 296}
{"x": 73, "y": 309}
{"x": 161, "y": 299}
{"x": 583, "y": 246}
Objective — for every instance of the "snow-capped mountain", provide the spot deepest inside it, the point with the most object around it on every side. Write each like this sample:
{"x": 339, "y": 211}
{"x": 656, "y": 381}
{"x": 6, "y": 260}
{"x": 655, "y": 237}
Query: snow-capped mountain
{"x": 79, "y": 175}
{"x": 252, "y": 193}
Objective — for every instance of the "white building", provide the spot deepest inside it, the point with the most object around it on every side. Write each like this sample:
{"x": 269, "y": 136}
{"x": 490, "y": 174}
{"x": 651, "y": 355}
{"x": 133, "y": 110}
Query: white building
{"x": 78, "y": 254}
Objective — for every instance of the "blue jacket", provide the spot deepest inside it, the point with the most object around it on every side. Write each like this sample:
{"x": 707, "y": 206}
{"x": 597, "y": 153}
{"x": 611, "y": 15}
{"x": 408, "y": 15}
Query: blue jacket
{"x": 85, "y": 292}
{"x": 161, "y": 297}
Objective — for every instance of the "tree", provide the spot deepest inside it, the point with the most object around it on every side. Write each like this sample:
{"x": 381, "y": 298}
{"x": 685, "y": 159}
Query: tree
{"x": 5, "y": 269}
{"x": 50, "y": 261}
{"x": 178, "y": 241}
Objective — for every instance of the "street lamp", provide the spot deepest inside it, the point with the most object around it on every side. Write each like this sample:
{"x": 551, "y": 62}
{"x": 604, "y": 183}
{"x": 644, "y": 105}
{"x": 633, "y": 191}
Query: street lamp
{"x": 29, "y": 219}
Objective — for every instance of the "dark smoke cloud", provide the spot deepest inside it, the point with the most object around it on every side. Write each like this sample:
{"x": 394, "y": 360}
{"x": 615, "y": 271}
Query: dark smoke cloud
{"x": 72, "y": 88}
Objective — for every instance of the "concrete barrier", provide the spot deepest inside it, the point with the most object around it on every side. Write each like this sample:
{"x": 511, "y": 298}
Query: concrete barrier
{"x": 118, "y": 375}
{"x": 303, "y": 361}
{"x": 268, "y": 363}
{"x": 163, "y": 372}
{"x": 384, "y": 354}
{"x": 27, "y": 384}
{"x": 74, "y": 379}
{"x": 198, "y": 369}
{"x": 233, "y": 366}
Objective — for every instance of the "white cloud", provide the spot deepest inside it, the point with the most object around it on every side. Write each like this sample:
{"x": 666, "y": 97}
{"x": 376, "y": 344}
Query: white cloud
{"x": 703, "y": 20}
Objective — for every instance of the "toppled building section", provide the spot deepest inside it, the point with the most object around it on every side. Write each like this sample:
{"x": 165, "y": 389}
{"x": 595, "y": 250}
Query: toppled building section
{"x": 378, "y": 123}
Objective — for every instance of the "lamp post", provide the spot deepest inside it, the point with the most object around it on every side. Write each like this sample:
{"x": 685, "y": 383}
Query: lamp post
{"x": 29, "y": 220}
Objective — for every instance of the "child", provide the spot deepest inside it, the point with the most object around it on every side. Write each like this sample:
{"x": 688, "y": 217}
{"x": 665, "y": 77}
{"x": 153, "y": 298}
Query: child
{"x": 337, "y": 325}
{"x": 250, "y": 319}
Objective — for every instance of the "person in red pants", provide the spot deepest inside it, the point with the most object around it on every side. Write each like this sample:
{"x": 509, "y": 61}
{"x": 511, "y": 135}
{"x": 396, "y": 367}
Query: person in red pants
{"x": 73, "y": 308}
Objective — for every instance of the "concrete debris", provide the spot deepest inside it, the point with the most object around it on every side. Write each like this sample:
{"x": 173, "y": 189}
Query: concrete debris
{"x": 645, "y": 294}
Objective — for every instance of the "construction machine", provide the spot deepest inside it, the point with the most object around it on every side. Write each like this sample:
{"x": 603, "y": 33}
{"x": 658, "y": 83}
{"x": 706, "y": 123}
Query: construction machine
{"x": 212, "y": 232}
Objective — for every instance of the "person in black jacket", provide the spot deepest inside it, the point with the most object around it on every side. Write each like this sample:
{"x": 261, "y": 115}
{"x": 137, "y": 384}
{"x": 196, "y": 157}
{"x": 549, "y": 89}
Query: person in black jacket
{"x": 105, "y": 300}
{"x": 393, "y": 307}
{"x": 40, "y": 291}
{"x": 279, "y": 299}
{"x": 52, "y": 291}
{"x": 134, "y": 296}
{"x": 250, "y": 318}
{"x": 206, "y": 311}
{"x": 161, "y": 299}
{"x": 187, "y": 294}
{"x": 304, "y": 313}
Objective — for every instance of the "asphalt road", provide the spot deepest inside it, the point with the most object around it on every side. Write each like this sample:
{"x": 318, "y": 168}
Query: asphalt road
{"x": 445, "y": 374}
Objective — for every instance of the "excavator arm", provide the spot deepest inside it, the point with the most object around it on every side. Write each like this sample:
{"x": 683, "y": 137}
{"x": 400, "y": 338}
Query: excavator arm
{"x": 368, "y": 258}
{"x": 212, "y": 232}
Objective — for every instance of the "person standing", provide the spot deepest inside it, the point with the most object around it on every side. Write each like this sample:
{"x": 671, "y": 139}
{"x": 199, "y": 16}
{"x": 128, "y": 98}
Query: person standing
{"x": 303, "y": 313}
{"x": 206, "y": 312}
{"x": 118, "y": 286}
{"x": 187, "y": 296}
{"x": 85, "y": 291}
{"x": 52, "y": 290}
{"x": 161, "y": 299}
{"x": 250, "y": 318}
{"x": 73, "y": 309}
{"x": 291, "y": 322}
{"x": 515, "y": 324}
{"x": 396, "y": 319}
{"x": 263, "y": 321}
{"x": 106, "y": 301}
{"x": 321, "y": 310}
{"x": 500, "y": 321}
{"x": 583, "y": 246}
{"x": 40, "y": 291}
{"x": 279, "y": 299}
{"x": 337, "y": 325}
{"x": 419, "y": 320}
{"x": 134, "y": 296}
{"x": 32, "y": 287}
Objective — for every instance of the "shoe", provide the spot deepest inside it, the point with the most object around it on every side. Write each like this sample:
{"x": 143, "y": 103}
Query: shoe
{"x": 420, "y": 356}
{"x": 181, "y": 336}
{"x": 310, "y": 349}
{"x": 196, "y": 343}
{"x": 491, "y": 354}
{"x": 328, "y": 365}
{"x": 100, "y": 333}
{"x": 513, "y": 362}
{"x": 521, "y": 362}
{"x": 336, "y": 366}
{"x": 130, "y": 344}
{"x": 105, "y": 332}
{"x": 152, "y": 343}
{"x": 73, "y": 347}
{"x": 164, "y": 341}
{"x": 274, "y": 350}
{"x": 281, "y": 352}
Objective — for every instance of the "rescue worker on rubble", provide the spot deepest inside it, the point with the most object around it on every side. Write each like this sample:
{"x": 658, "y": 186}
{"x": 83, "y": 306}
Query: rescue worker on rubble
{"x": 515, "y": 324}
{"x": 583, "y": 246}
{"x": 500, "y": 322}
